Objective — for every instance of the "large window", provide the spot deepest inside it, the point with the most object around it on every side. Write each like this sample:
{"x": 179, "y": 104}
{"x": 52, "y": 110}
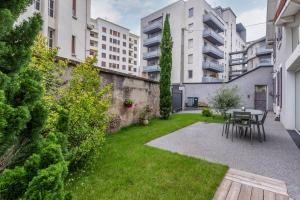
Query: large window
{"x": 51, "y": 8}
{"x": 73, "y": 45}
{"x": 191, "y": 12}
{"x": 190, "y": 44}
{"x": 51, "y": 34}
{"x": 190, "y": 59}
{"x": 74, "y": 8}
{"x": 37, "y": 4}
{"x": 190, "y": 74}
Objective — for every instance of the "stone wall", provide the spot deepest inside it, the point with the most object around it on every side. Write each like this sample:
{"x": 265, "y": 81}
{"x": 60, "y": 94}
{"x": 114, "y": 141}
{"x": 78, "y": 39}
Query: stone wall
{"x": 246, "y": 86}
{"x": 142, "y": 91}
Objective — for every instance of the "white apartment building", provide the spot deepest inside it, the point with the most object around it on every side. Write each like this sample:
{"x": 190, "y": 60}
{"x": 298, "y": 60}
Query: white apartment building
{"x": 283, "y": 24}
{"x": 202, "y": 39}
{"x": 65, "y": 24}
{"x": 115, "y": 47}
{"x": 255, "y": 54}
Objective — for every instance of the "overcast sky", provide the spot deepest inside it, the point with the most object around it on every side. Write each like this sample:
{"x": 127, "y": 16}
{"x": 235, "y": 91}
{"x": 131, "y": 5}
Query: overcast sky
{"x": 129, "y": 12}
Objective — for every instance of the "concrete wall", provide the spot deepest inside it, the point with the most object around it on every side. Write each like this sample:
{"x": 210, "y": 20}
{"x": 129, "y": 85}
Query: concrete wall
{"x": 246, "y": 85}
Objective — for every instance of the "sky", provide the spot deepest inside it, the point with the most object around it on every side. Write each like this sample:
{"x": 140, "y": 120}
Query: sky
{"x": 128, "y": 13}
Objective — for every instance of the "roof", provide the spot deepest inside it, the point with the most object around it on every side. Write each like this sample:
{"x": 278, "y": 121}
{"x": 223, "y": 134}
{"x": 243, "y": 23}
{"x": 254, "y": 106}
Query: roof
{"x": 225, "y": 9}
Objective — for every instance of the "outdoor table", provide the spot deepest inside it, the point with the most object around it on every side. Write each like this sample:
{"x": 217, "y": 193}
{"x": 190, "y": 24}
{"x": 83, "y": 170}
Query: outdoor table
{"x": 254, "y": 113}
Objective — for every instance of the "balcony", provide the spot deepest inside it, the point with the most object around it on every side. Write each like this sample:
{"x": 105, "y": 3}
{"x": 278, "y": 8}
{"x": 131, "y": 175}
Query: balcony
{"x": 213, "y": 52}
{"x": 152, "y": 68}
{"x": 152, "y": 41}
{"x": 152, "y": 28}
{"x": 263, "y": 51}
{"x": 213, "y": 22}
{"x": 151, "y": 55}
{"x": 265, "y": 63}
{"x": 213, "y": 66}
{"x": 213, "y": 37}
{"x": 209, "y": 79}
{"x": 286, "y": 12}
{"x": 238, "y": 61}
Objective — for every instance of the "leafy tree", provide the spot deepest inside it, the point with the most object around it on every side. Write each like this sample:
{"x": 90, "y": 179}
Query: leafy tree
{"x": 22, "y": 113}
{"x": 166, "y": 68}
{"x": 84, "y": 118}
{"x": 225, "y": 99}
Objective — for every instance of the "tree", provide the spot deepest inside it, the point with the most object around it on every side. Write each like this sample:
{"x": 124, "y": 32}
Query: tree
{"x": 225, "y": 99}
{"x": 22, "y": 113}
{"x": 166, "y": 68}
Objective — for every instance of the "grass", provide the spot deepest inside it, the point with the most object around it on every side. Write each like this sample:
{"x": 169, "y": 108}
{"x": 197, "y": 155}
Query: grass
{"x": 128, "y": 169}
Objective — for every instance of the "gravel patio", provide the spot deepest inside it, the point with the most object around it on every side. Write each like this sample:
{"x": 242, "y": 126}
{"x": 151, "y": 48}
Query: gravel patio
{"x": 278, "y": 157}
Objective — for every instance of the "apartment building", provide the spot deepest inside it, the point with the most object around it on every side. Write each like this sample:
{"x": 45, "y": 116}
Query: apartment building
{"x": 283, "y": 22}
{"x": 255, "y": 54}
{"x": 65, "y": 24}
{"x": 202, "y": 39}
{"x": 116, "y": 48}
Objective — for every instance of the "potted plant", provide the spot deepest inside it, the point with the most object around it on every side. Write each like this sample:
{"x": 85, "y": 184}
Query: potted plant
{"x": 145, "y": 115}
{"x": 128, "y": 103}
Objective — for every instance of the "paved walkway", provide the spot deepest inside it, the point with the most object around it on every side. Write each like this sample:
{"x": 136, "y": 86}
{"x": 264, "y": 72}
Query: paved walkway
{"x": 240, "y": 185}
{"x": 278, "y": 158}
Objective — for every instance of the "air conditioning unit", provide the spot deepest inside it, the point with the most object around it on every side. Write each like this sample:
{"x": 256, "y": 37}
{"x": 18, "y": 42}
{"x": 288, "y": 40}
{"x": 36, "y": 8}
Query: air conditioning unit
{"x": 90, "y": 27}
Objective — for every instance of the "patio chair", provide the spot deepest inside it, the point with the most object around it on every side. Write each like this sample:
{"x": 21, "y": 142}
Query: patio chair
{"x": 226, "y": 126}
{"x": 261, "y": 123}
{"x": 243, "y": 122}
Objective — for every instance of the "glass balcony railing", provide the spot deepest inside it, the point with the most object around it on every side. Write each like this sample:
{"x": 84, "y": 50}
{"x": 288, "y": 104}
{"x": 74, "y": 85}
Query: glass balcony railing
{"x": 152, "y": 28}
{"x": 151, "y": 54}
{"x": 209, "y": 79}
{"x": 152, "y": 41}
{"x": 213, "y": 66}
{"x": 213, "y": 37}
{"x": 213, "y": 22}
{"x": 213, "y": 52}
{"x": 151, "y": 68}
{"x": 263, "y": 51}
{"x": 238, "y": 61}
{"x": 265, "y": 63}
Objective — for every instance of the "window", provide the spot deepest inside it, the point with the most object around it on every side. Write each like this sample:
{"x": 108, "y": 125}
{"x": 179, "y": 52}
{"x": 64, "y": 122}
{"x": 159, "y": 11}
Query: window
{"x": 104, "y": 46}
{"x": 124, "y": 37}
{"x": 74, "y": 8}
{"x": 190, "y": 74}
{"x": 103, "y": 55}
{"x": 190, "y": 43}
{"x": 103, "y": 37}
{"x": 73, "y": 45}
{"x": 103, "y": 29}
{"x": 124, "y": 44}
{"x": 124, "y": 67}
{"x": 103, "y": 64}
{"x": 135, "y": 41}
{"x": 191, "y": 26}
{"x": 37, "y": 4}
{"x": 134, "y": 69}
{"x": 191, "y": 12}
{"x": 51, "y": 34}
{"x": 51, "y": 8}
{"x": 190, "y": 59}
{"x": 124, "y": 59}
{"x": 124, "y": 51}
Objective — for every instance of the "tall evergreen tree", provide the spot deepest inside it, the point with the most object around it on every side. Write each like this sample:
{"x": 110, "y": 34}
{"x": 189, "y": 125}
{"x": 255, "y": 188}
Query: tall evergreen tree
{"x": 166, "y": 67}
{"x": 22, "y": 113}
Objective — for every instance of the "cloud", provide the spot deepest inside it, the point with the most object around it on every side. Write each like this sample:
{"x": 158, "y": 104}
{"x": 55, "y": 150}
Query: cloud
{"x": 105, "y": 9}
{"x": 250, "y": 19}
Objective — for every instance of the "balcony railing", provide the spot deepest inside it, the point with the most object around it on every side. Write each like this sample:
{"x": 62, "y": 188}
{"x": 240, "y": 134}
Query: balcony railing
{"x": 151, "y": 68}
{"x": 213, "y": 66}
{"x": 152, "y": 28}
{"x": 237, "y": 61}
{"x": 213, "y": 37}
{"x": 265, "y": 62}
{"x": 151, "y": 54}
{"x": 263, "y": 51}
{"x": 152, "y": 41}
{"x": 209, "y": 79}
{"x": 213, "y": 52}
{"x": 212, "y": 21}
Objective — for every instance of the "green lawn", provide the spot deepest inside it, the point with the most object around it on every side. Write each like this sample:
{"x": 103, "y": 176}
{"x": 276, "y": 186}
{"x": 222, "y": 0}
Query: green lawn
{"x": 128, "y": 169}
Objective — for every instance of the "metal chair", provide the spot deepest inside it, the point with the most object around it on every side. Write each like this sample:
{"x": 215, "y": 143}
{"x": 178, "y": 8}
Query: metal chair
{"x": 242, "y": 122}
{"x": 226, "y": 126}
{"x": 261, "y": 123}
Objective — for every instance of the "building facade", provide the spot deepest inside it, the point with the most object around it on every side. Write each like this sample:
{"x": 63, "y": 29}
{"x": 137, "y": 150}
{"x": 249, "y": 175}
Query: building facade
{"x": 202, "y": 39}
{"x": 115, "y": 47}
{"x": 65, "y": 24}
{"x": 283, "y": 21}
{"x": 255, "y": 54}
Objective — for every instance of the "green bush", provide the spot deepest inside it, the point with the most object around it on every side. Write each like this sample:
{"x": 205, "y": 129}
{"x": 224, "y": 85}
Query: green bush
{"x": 206, "y": 112}
{"x": 225, "y": 99}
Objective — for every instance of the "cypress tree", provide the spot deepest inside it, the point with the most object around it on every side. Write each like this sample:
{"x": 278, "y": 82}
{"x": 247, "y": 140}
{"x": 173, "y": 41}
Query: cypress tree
{"x": 166, "y": 67}
{"x": 22, "y": 113}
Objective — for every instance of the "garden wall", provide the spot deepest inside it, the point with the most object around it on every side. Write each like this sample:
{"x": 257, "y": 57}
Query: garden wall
{"x": 142, "y": 91}
{"x": 245, "y": 83}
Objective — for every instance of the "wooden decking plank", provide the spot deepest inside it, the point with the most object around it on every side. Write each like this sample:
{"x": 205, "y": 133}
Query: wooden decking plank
{"x": 234, "y": 191}
{"x": 268, "y": 195}
{"x": 223, "y": 190}
{"x": 245, "y": 193}
{"x": 281, "y": 197}
{"x": 257, "y": 194}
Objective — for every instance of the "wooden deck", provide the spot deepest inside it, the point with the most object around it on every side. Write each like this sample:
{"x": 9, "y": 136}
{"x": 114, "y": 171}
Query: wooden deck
{"x": 240, "y": 185}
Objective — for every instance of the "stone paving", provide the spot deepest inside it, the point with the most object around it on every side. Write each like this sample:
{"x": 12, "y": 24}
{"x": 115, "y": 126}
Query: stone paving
{"x": 278, "y": 157}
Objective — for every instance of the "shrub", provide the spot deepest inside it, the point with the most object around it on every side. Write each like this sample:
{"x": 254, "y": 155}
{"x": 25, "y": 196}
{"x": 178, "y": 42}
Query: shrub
{"x": 206, "y": 112}
{"x": 145, "y": 113}
{"x": 225, "y": 99}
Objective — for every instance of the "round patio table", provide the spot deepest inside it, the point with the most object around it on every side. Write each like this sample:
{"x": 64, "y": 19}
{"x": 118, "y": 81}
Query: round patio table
{"x": 255, "y": 113}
